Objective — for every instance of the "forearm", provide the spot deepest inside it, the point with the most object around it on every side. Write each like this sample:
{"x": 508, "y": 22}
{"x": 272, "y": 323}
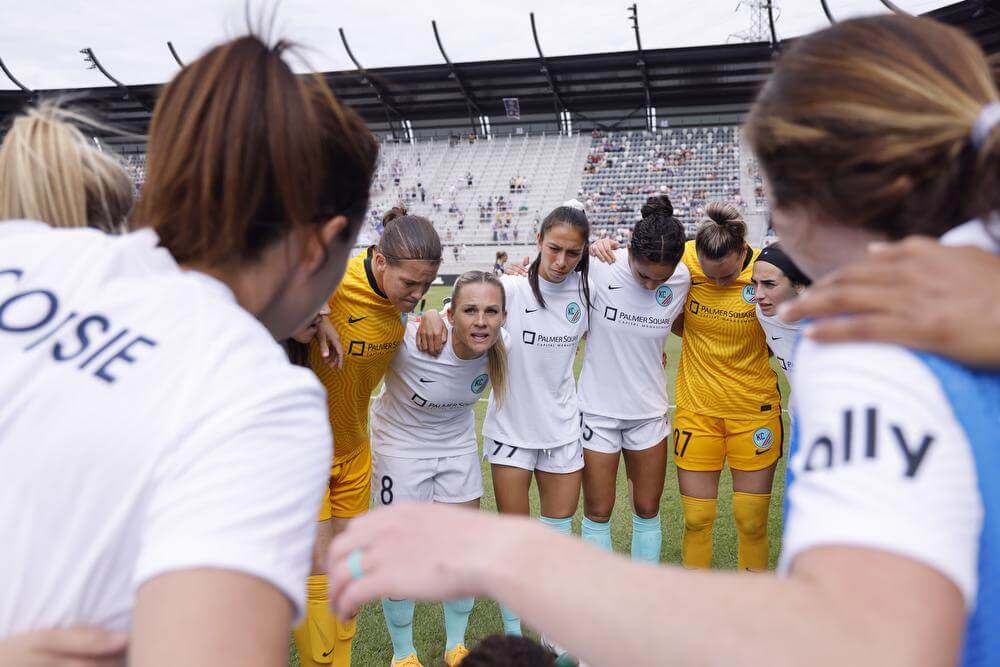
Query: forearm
{"x": 610, "y": 609}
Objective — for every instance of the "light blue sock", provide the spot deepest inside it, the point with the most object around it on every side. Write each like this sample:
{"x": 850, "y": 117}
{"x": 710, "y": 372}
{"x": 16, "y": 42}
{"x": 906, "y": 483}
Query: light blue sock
{"x": 647, "y": 538}
{"x": 564, "y": 526}
{"x": 399, "y": 620}
{"x": 511, "y": 621}
{"x": 456, "y": 620}
{"x": 597, "y": 532}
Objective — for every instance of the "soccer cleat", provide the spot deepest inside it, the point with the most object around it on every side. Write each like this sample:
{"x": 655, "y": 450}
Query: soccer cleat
{"x": 456, "y": 655}
{"x": 409, "y": 661}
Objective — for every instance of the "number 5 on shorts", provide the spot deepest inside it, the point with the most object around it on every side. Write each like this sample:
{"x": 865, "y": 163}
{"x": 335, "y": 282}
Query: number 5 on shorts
{"x": 677, "y": 439}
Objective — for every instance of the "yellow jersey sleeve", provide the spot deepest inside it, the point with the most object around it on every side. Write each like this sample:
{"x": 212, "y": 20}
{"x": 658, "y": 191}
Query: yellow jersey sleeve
{"x": 724, "y": 370}
{"x": 371, "y": 330}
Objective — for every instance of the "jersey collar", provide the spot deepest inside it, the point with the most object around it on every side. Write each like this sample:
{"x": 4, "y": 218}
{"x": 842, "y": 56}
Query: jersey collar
{"x": 371, "y": 274}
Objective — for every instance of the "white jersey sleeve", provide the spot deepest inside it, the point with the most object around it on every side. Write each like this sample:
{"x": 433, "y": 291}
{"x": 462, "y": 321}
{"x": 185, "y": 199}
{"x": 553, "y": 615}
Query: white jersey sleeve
{"x": 242, "y": 492}
{"x": 880, "y": 461}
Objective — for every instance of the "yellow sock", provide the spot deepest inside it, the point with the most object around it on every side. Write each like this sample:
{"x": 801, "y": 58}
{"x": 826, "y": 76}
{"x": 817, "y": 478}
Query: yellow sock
{"x": 315, "y": 635}
{"x": 345, "y": 637}
{"x": 696, "y": 547}
{"x": 750, "y": 514}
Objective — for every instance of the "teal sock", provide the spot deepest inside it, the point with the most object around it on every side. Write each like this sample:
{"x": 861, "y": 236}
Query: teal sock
{"x": 647, "y": 538}
{"x": 511, "y": 621}
{"x": 456, "y": 620}
{"x": 597, "y": 532}
{"x": 399, "y": 620}
{"x": 564, "y": 526}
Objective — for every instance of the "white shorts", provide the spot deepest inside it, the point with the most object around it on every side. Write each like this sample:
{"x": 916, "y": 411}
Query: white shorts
{"x": 561, "y": 460}
{"x": 449, "y": 479}
{"x": 610, "y": 435}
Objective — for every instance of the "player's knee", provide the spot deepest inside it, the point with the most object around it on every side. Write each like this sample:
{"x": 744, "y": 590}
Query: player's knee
{"x": 699, "y": 513}
{"x": 647, "y": 509}
{"x": 599, "y": 515}
{"x": 750, "y": 512}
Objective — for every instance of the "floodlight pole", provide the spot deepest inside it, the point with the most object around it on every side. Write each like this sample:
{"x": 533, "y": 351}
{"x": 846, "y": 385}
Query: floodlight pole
{"x": 641, "y": 64}
{"x": 891, "y": 6}
{"x": 470, "y": 103}
{"x": 379, "y": 93}
{"x": 90, "y": 57}
{"x": 556, "y": 99}
{"x": 775, "y": 44}
{"x": 173, "y": 52}
{"x": 17, "y": 83}
{"x": 826, "y": 10}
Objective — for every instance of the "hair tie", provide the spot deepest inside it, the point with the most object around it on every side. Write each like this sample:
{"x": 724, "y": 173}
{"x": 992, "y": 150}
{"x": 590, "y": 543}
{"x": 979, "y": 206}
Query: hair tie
{"x": 987, "y": 119}
{"x": 575, "y": 203}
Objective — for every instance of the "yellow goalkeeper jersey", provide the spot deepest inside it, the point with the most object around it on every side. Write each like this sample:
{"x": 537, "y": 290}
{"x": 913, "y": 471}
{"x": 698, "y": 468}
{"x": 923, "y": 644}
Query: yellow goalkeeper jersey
{"x": 371, "y": 330}
{"x": 724, "y": 370}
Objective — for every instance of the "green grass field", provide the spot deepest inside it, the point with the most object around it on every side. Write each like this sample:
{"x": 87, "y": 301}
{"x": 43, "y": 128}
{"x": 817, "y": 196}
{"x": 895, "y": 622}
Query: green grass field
{"x": 371, "y": 644}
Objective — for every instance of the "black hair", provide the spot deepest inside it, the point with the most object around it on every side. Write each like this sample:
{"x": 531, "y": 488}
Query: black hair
{"x": 509, "y": 651}
{"x": 659, "y": 236}
{"x": 577, "y": 219}
{"x": 298, "y": 353}
{"x": 775, "y": 255}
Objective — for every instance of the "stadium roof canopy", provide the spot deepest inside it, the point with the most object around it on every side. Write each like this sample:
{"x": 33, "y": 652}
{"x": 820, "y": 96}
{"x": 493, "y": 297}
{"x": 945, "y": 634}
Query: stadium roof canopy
{"x": 708, "y": 84}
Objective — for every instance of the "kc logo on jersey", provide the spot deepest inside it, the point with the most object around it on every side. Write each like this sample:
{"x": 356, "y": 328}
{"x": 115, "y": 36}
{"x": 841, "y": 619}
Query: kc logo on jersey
{"x": 763, "y": 438}
{"x": 664, "y": 295}
{"x": 749, "y": 293}
{"x": 480, "y": 383}
{"x": 573, "y": 312}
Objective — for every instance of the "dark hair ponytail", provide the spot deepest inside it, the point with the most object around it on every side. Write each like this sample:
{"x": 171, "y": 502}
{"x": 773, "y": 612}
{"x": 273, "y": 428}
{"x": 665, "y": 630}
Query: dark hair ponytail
{"x": 408, "y": 237}
{"x": 659, "y": 236}
{"x": 577, "y": 219}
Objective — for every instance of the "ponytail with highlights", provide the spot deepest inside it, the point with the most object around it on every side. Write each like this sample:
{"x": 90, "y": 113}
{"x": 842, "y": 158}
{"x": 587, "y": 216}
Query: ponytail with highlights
{"x": 498, "y": 352}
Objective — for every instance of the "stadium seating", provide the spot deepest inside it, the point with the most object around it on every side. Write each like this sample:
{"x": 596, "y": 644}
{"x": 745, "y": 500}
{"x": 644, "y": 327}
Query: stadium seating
{"x": 611, "y": 173}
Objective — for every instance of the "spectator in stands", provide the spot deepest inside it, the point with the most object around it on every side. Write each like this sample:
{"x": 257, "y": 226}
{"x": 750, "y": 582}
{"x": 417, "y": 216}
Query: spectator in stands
{"x": 454, "y": 251}
{"x": 51, "y": 173}
{"x": 468, "y": 179}
{"x": 499, "y": 262}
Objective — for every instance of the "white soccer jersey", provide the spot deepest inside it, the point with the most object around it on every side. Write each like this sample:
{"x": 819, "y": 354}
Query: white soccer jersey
{"x": 540, "y": 410}
{"x": 141, "y": 406}
{"x": 622, "y": 373}
{"x": 881, "y": 460}
{"x": 781, "y": 338}
{"x": 425, "y": 407}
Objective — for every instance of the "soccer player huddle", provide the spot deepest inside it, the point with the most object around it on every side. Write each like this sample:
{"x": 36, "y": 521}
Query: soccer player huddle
{"x": 164, "y": 465}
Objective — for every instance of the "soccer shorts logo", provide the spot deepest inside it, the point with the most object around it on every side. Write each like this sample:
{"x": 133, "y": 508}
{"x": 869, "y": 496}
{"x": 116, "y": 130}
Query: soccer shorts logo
{"x": 748, "y": 293}
{"x": 664, "y": 295}
{"x": 763, "y": 438}
{"x": 573, "y": 312}
{"x": 480, "y": 383}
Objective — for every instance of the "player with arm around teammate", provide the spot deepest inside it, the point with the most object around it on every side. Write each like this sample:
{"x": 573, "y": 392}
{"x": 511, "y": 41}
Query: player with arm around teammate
{"x": 728, "y": 406}
{"x": 381, "y": 285}
{"x": 423, "y": 432}
{"x": 623, "y": 397}
{"x": 776, "y": 280}
{"x": 535, "y": 431}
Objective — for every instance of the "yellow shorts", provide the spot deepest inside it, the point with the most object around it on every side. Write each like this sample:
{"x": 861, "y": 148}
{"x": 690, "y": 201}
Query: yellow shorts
{"x": 703, "y": 443}
{"x": 349, "y": 491}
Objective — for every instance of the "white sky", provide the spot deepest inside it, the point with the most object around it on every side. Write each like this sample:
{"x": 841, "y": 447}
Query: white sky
{"x": 40, "y": 40}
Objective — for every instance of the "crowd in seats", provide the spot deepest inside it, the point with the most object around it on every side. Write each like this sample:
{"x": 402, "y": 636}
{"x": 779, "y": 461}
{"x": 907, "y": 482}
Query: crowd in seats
{"x": 692, "y": 165}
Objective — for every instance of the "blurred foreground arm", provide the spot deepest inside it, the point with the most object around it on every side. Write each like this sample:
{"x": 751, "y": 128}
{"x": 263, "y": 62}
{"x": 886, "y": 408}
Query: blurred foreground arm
{"x": 839, "y": 606}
